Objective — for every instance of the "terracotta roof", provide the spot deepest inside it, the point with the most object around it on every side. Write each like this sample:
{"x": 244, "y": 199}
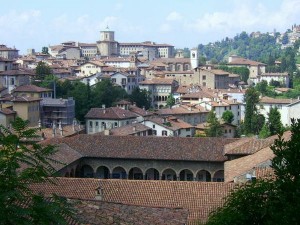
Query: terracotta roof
{"x": 108, "y": 213}
{"x": 115, "y": 59}
{"x": 87, "y": 44}
{"x": 237, "y": 167}
{"x": 109, "y": 113}
{"x": 216, "y": 71}
{"x": 158, "y": 81}
{"x": 182, "y": 110}
{"x": 139, "y": 111}
{"x": 199, "y": 94}
{"x": 259, "y": 154}
{"x": 171, "y": 123}
{"x": 30, "y": 88}
{"x": 135, "y": 147}
{"x": 129, "y": 129}
{"x": 16, "y": 72}
{"x": 268, "y": 100}
{"x": 24, "y": 99}
{"x": 172, "y": 60}
{"x": 275, "y": 74}
{"x": 199, "y": 198}
{"x": 242, "y": 61}
{"x": 247, "y": 146}
{"x": 7, "y": 111}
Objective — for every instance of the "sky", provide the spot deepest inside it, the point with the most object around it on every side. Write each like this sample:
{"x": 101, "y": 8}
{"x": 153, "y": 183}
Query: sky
{"x": 26, "y": 24}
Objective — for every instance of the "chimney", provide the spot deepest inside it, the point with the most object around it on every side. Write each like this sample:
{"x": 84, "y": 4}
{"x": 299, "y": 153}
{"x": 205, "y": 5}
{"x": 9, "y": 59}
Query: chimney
{"x": 99, "y": 194}
{"x": 106, "y": 132}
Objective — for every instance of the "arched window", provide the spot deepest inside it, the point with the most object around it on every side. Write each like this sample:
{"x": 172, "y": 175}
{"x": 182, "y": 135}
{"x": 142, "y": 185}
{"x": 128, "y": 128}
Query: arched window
{"x": 102, "y": 172}
{"x": 135, "y": 174}
{"x": 203, "y": 175}
{"x": 119, "y": 173}
{"x": 219, "y": 176}
{"x": 186, "y": 175}
{"x": 87, "y": 171}
{"x": 168, "y": 174}
{"x": 152, "y": 174}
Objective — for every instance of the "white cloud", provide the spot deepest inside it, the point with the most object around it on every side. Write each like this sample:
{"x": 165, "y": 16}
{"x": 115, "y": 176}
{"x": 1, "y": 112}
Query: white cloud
{"x": 165, "y": 28}
{"x": 174, "y": 16}
{"x": 245, "y": 17}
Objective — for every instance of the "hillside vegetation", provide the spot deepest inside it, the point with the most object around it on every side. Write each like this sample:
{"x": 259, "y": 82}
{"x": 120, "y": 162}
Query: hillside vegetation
{"x": 244, "y": 45}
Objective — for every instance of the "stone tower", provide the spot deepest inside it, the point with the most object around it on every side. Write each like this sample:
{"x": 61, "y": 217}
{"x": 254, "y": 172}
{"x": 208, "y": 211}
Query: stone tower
{"x": 194, "y": 58}
{"x": 107, "y": 46}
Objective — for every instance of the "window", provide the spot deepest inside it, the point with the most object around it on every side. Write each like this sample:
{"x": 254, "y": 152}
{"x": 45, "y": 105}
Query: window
{"x": 164, "y": 133}
{"x": 113, "y": 80}
{"x": 204, "y": 77}
{"x": 91, "y": 124}
{"x": 229, "y": 130}
{"x": 204, "y": 84}
{"x": 116, "y": 124}
{"x": 187, "y": 129}
{"x": 153, "y": 126}
{"x": 97, "y": 124}
{"x": 154, "y": 132}
{"x": 225, "y": 131}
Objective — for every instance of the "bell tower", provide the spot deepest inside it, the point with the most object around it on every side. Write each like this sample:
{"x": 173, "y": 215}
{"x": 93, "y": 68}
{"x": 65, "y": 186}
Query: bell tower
{"x": 194, "y": 57}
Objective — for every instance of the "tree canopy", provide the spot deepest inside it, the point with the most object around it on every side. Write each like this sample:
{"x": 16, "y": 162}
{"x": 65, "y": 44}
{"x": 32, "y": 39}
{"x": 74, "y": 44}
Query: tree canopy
{"x": 141, "y": 98}
{"x": 24, "y": 162}
{"x": 228, "y": 116}
{"x": 252, "y": 119}
{"x": 214, "y": 128}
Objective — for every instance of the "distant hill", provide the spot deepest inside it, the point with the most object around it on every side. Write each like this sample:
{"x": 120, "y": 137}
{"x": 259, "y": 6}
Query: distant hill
{"x": 257, "y": 46}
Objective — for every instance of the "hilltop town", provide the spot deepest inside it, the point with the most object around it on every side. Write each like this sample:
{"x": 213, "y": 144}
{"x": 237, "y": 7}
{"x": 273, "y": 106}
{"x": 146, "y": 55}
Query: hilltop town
{"x": 148, "y": 130}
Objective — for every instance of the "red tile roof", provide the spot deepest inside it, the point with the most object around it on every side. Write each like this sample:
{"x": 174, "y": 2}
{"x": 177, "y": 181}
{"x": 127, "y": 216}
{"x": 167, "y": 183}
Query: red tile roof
{"x": 158, "y": 81}
{"x": 157, "y": 148}
{"x": 257, "y": 151}
{"x": 108, "y": 213}
{"x": 269, "y": 100}
{"x": 199, "y": 198}
{"x": 109, "y": 113}
{"x": 129, "y": 129}
{"x": 30, "y": 88}
{"x": 7, "y": 111}
{"x": 242, "y": 61}
{"x": 16, "y": 72}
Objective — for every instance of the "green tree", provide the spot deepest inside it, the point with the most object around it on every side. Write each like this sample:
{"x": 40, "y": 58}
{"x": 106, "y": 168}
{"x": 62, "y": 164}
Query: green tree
{"x": 262, "y": 87}
{"x": 45, "y": 50}
{"x": 264, "y": 132}
{"x": 24, "y": 162}
{"x": 214, "y": 127}
{"x": 41, "y": 70}
{"x": 170, "y": 100}
{"x": 105, "y": 92}
{"x": 285, "y": 39}
{"x": 268, "y": 201}
{"x": 251, "y": 99}
{"x": 228, "y": 116}
{"x": 141, "y": 98}
{"x": 274, "y": 121}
